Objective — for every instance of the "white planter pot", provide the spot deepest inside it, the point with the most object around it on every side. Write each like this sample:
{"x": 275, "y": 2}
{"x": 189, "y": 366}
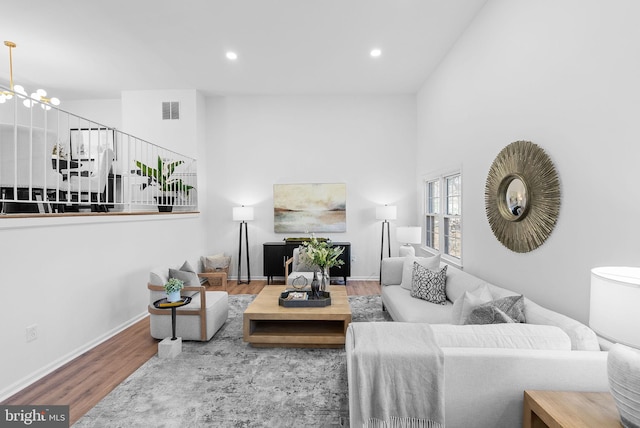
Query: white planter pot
{"x": 173, "y": 297}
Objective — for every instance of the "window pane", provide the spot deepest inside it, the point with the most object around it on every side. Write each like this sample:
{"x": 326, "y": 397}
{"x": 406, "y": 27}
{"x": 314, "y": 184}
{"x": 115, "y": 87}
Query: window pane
{"x": 428, "y": 227}
{"x": 433, "y": 197}
{"x": 453, "y": 195}
{"x": 452, "y": 239}
{"x": 432, "y": 235}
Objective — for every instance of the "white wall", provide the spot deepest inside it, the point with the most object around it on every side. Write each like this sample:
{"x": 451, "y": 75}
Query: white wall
{"x": 142, "y": 117}
{"x": 78, "y": 282}
{"x": 563, "y": 75}
{"x": 367, "y": 142}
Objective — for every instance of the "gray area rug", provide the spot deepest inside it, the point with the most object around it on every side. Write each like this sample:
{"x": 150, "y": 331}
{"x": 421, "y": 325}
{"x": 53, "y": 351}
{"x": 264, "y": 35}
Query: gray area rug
{"x": 227, "y": 383}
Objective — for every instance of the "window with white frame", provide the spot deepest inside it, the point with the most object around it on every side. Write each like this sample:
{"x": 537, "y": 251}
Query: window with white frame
{"x": 443, "y": 214}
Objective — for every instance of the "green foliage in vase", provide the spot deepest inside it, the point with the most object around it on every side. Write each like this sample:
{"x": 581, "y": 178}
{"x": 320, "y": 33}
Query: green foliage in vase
{"x": 321, "y": 254}
{"x": 174, "y": 284}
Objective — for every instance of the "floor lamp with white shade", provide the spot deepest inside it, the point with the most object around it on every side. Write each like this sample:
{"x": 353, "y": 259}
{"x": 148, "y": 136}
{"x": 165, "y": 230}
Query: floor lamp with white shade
{"x": 243, "y": 214}
{"x": 385, "y": 213}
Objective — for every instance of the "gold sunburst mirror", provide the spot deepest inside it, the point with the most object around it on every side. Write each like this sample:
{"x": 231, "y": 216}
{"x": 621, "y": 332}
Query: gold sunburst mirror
{"x": 522, "y": 196}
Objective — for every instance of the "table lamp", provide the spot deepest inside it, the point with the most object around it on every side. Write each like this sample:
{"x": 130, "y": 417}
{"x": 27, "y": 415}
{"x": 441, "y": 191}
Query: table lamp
{"x": 614, "y": 314}
{"x": 615, "y": 304}
{"x": 243, "y": 214}
{"x": 408, "y": 235}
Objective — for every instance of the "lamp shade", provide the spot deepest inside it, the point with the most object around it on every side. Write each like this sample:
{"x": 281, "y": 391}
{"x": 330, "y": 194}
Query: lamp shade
{"x": 409, "y": 234}
{"x": 386, "y": 212}
{"x": 242, "y": 213}
{"x": 614, "y": 311}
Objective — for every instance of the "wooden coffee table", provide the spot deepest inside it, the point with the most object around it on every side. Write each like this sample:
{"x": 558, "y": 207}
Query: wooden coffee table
{"x": 266, "y": 323}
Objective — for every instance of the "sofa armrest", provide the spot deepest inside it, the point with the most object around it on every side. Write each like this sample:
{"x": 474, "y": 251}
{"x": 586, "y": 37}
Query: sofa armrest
{"x": 507, "y": 373}
{"x": 582, "y": 337}
{"x": 392, "y": 270}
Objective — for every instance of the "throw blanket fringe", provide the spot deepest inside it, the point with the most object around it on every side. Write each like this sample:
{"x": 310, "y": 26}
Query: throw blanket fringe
{"x": 396, "y": 422}
{"x": 400, "y": 375}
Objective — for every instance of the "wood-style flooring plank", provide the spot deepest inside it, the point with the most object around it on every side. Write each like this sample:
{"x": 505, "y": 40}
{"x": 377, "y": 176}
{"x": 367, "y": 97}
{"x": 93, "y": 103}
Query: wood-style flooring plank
{"x": 87, "y": 379}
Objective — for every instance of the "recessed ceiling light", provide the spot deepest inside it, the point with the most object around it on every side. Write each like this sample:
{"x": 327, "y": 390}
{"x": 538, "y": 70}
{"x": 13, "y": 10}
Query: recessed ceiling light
{"x": 375, "y": 53}
{"x": 232, "y": 56}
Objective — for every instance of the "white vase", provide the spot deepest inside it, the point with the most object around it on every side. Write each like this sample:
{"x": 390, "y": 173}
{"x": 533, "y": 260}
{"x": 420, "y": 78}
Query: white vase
{"x": 623, "y": 369}
{"x": 173, "y": 296}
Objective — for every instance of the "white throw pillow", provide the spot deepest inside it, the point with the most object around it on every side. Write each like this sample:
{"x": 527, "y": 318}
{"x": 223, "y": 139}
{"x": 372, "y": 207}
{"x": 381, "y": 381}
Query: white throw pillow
{"x": 512, "y": 335}
{"x": 466, "y": 303}
{"x": 432, "y": 263}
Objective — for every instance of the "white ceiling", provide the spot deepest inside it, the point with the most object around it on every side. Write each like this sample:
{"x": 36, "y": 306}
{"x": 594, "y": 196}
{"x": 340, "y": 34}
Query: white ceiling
{"x": 90, "y": 49}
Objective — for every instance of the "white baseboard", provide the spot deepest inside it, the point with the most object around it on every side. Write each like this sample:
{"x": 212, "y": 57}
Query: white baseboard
{"x": 39, "y": 374}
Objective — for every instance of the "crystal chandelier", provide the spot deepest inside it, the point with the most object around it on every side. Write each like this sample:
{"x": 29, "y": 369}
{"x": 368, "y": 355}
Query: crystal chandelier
{"x": 38, "y": 97}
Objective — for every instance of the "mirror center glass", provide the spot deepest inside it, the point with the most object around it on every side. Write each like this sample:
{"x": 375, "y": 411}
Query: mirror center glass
{"x": 516, "y": 197}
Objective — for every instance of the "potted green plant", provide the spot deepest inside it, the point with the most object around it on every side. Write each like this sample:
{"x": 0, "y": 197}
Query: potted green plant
{"x": 172, "y": 288}
{"x": 162, "y": 177}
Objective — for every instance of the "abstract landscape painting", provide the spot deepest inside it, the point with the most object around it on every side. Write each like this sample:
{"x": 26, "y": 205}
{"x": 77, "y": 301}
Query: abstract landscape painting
{"x": 307, "y": 208}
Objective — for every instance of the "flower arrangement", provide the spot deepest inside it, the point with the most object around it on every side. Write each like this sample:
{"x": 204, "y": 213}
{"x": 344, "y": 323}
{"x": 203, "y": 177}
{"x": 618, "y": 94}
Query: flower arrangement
{"x": 173, "y": 285}
{"x": 322, "y": 254}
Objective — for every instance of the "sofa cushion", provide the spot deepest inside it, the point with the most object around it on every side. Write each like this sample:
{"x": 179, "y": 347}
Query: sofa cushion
{"x": 459, "y": 281}
{"x": 505, "y": 310}
{"x": 463, "y": 306}
{"x": 402, "y": 307}
{"x": 301, "y": 262}
{"x": 499, "y": 292}
{"x": 189, "y": 277}
{"x": 186, "y": 266}
{"x": 513, "y": 335}
{"x": 407, "y": 268}
{"x": 215, "y": 263}
{"x": 391, "y": 270}
{"x": 429, "y": 284}
{"x": 159, "y": 276}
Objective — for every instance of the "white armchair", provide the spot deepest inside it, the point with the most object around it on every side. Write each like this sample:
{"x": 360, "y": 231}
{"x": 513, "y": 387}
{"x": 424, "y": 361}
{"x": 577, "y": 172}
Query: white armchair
{"x": 202, "y": 317}
{"x": 298, "y": 269}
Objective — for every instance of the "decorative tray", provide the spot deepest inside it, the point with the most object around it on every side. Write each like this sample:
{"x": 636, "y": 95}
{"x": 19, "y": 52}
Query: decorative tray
{"x": 324, "y": 300}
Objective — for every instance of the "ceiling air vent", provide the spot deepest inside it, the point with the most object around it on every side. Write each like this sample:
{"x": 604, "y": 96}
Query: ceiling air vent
{"x": 170, "y": 110}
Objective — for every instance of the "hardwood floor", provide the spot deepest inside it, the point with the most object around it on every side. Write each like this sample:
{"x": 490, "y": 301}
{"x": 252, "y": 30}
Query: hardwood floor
{"x": 83, "y": 382}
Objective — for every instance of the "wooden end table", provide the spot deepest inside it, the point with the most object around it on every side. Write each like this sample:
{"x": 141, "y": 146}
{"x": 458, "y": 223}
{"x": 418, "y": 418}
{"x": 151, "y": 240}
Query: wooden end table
{"x": 266, "y": 323}
{"x": 568, "y": 409}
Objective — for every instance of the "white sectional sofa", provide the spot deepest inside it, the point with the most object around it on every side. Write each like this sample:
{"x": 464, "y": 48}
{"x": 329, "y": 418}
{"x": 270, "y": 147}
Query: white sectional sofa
{"x": 486, "y": 368}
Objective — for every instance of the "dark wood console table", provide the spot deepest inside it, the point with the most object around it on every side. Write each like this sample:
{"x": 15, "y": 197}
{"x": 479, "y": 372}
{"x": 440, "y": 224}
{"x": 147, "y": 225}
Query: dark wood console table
{"x": 275, "y": 254}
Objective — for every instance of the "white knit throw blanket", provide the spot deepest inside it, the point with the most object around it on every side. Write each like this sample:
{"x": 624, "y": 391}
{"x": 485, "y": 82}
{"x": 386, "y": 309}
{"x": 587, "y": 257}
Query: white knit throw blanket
{"x": 400, "y": 372}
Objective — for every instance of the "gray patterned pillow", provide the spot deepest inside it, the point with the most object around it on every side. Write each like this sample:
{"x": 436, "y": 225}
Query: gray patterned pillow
{"x": 505, "y": 310}
{"x": 429, "y": 284}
